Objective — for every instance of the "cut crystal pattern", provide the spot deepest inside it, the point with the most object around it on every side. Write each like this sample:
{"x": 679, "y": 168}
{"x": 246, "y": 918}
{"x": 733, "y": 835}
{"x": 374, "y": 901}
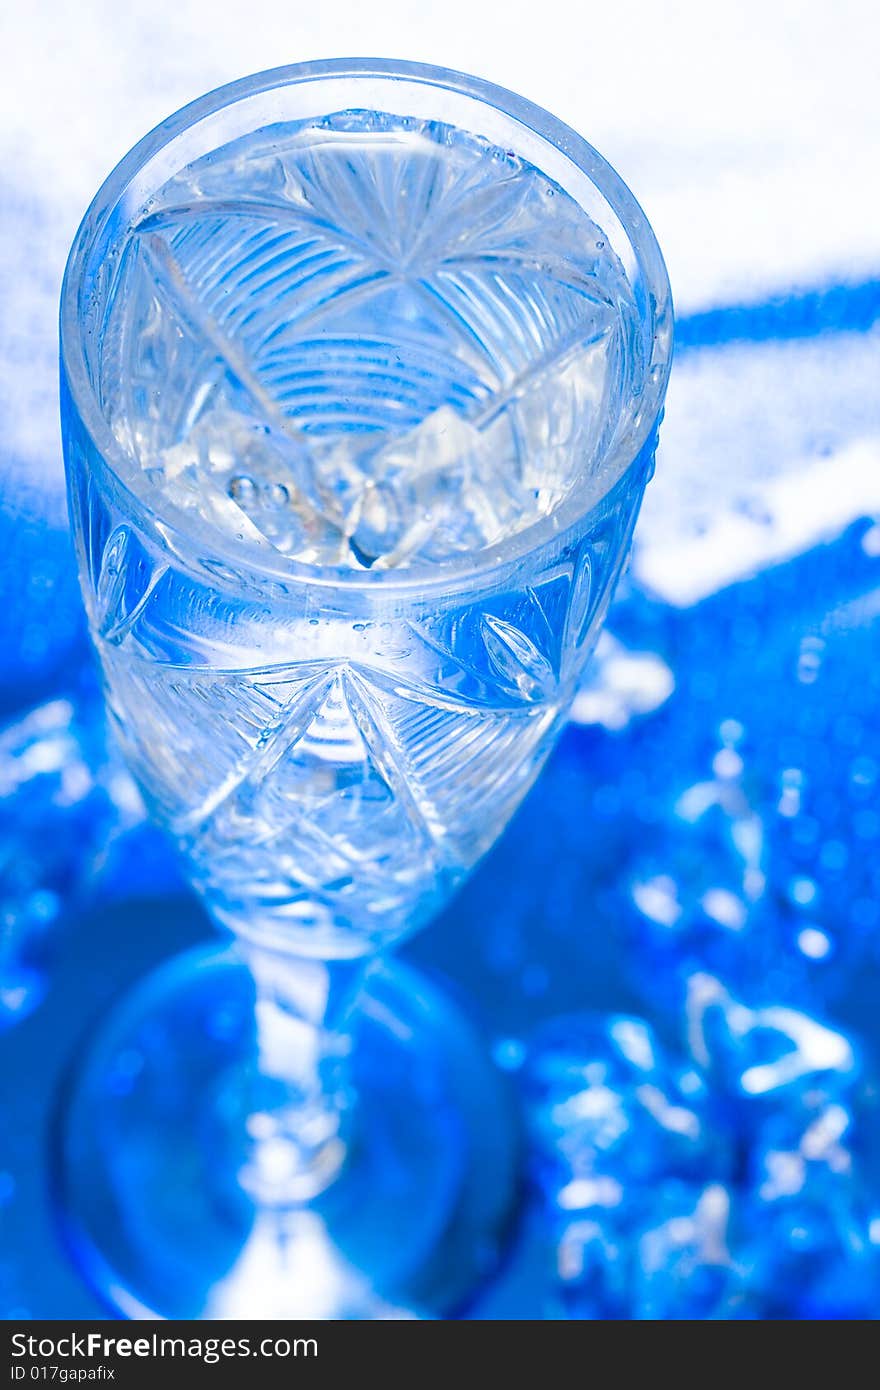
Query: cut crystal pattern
{"x": 362, "y": 343}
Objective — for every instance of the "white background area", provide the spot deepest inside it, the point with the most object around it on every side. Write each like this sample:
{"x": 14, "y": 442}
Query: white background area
{"x": 750, "y": 132}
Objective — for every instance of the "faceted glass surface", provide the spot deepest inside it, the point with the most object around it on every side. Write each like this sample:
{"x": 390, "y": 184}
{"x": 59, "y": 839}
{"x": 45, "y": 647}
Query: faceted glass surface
{"x": 363, "y": 366}
{"x": 364, "y": 343}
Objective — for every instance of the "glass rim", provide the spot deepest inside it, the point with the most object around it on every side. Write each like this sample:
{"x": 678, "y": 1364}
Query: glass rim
{"x": 460, "y": 567}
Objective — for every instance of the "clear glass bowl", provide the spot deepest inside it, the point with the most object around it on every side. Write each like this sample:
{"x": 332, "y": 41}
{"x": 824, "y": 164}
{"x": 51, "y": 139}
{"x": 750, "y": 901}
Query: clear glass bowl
{"x": 332, "y": 747}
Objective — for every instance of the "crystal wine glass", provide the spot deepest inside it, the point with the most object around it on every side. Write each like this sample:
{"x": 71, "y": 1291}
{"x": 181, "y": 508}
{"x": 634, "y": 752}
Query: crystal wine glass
{"x": 362, "y": 370}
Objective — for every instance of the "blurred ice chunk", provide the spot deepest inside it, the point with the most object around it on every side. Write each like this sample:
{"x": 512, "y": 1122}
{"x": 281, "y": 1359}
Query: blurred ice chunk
{"x": 810, "y": 1213}
{"x": 685, "y": 1267}
{"x": 675, "y": 1262}
{"x": 593, "y": 1271}
{"x": 632, "y": 1171}
{"x": 606, "y": 1108}
{"x": 65, "y": 800}
{"x": 50, "y": 813}
{"x": 734, "y": 1190}
{"x": 766, "y": 1053}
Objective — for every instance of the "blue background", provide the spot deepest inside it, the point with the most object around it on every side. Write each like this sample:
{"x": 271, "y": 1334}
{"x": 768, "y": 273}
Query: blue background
{"x": 747, "y": 628}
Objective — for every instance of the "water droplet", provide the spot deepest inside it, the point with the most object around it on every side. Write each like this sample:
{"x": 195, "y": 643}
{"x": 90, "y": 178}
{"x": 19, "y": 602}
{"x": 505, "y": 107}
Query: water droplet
{"x": 727, "y": 764}
{"x": 277, "y": 496}
{"x": 509, "y": 1054}
{"x": 242, "y": 490}
{"x": 810, "y": 659}
{"x": 814, "y": 943}
{"x": 864, "y": 772}
{"x": 789, "y": 803}
{"x": 730, "y": 731}
{"x": 802, "y": 891}
{"x": 725, "y": 908}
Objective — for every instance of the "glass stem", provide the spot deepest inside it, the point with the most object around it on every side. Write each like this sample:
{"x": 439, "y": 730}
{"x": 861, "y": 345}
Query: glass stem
{"x": 300, "y": 1100}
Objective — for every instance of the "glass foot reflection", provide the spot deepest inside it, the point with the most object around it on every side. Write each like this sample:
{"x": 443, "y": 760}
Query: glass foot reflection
{"x": 159, "y": 1153}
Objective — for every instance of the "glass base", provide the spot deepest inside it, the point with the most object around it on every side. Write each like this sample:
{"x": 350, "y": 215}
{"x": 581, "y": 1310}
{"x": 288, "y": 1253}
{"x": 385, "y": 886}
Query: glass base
{"x": 155, "y": 1138}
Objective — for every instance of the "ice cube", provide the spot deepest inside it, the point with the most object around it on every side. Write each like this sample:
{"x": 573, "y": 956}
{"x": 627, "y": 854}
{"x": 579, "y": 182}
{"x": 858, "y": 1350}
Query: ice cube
{"x": 685, "y": 1266}
{"x": 606, "y": 1105}
{"x": 764, "y": 1055}
{"x": 810, "y": 1207}
{"x": 424, "y": 484}
{"x": 63, "y": 798}
{"x": 560, "y": 409}
{"x": 241, "y": 475}
{"x": 205, "y": 449}
{"x": 460, "y": 483}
